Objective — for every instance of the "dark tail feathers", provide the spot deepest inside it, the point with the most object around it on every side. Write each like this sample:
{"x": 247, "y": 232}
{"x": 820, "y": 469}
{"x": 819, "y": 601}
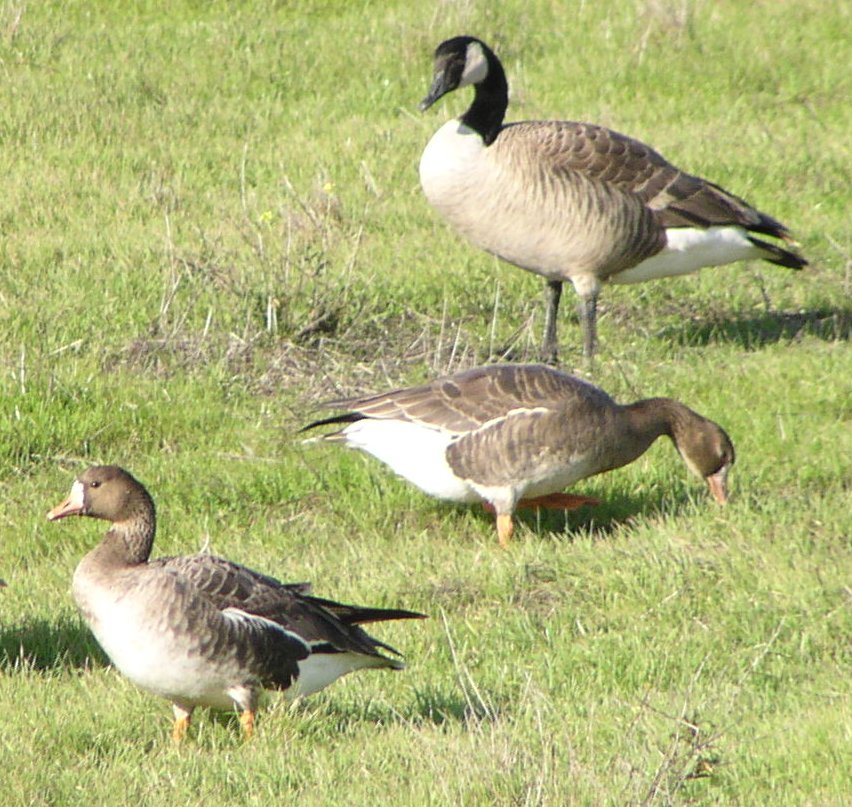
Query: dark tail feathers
{"x": 348, "y": 417}
{"x": 776, "y": 255}
{"x": 356, "y": 615}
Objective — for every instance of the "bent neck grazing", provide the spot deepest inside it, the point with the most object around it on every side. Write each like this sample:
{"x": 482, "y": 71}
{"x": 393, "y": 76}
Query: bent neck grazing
{"x": 651, "y": 418}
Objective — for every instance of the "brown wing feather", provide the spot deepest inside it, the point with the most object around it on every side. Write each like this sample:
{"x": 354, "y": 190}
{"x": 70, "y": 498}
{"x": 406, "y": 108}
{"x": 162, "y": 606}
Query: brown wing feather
{"x": 465, "y": 401}
{"x": 502, "y": 451}
{"x": 230, "y": 585}
{"x": 608, "y": 157}
{"x": 532, "y": 443}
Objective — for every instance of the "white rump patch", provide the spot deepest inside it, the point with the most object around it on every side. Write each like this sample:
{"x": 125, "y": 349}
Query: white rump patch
{"x": 321, "y": 669}
{"x": 475, "y": 65}
{"x": 688, "y": 249}
{"x": 416, "y": 452}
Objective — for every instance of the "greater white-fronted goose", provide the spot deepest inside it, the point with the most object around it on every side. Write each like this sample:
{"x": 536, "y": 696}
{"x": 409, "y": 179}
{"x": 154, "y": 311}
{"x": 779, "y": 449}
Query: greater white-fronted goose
{"x": 575, "y": 201}
{"x": 517, "y": 434}
{"x": 198, "y": 629}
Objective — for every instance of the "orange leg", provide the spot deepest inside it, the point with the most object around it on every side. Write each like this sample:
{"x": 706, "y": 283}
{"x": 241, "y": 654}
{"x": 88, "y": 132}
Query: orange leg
{"x": 181, "y": 724}
{"x": 504, "y": 529}
{"x": 558, "y": 501}
{"x": 247, "y": 722}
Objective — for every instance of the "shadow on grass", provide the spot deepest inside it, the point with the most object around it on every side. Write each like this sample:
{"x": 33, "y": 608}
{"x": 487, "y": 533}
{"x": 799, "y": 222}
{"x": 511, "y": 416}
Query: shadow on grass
{"x": 612, "y": 514}
{"x": 435, "y": 707}
{"x": 41, "y": 645}
{"x": 597, "y": 521}
{"x": 323, "y": 714}
{"x": 828, "y": 324}
{"x": 438, "y": 708}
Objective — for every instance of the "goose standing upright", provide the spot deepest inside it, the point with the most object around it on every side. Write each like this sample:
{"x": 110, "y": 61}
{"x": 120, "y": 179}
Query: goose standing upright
{"x": 200, "y": 630}
{"x": 575, "y": 201}
{"x": 513, "y": 435}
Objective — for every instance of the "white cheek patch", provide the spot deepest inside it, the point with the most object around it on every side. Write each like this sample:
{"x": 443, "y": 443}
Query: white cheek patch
{"x": 75, "y": 498}
{"x": 475, "y": 65}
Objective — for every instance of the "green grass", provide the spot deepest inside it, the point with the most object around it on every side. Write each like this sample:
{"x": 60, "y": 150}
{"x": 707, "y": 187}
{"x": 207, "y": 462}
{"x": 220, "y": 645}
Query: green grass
{"x": 210, "y": 220}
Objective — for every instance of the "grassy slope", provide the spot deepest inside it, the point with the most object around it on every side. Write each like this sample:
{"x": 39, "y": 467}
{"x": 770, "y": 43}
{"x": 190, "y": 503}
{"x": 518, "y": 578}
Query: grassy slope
{"x": 210, "y": 219}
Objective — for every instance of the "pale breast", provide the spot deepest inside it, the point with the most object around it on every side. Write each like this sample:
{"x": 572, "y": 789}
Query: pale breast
{"x": 136, "y": 633}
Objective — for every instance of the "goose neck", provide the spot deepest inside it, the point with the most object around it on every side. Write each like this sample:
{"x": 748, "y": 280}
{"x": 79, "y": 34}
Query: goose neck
{"x": 490, "y": 100}
{"x": 654, "y": 417}
{"x": 129, "y": 542}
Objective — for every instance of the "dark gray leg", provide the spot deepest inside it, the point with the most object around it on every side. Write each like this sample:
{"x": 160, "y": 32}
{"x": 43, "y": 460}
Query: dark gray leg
{"x": 550, "y": 345}
{"x": 588, "y": 310}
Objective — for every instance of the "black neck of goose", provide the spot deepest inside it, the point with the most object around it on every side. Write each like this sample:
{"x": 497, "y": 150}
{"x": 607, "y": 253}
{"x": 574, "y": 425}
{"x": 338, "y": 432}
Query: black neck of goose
{"x": 490, "y": 100}
{"x": 131, "y": 540}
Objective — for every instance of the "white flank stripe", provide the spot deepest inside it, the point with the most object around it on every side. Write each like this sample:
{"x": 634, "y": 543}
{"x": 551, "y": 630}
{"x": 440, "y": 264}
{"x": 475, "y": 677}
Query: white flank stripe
{"x": 321, "y": 669}
{"x": 690, "y": 248}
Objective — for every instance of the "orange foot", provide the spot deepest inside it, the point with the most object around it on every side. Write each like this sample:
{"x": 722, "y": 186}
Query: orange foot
{"x": 558, "y": 501}
{"x": 505, "y": 528}
{"x": 555, "y": 501}
{"x": 247, "y": 722}
{"x": 181, "y": 724}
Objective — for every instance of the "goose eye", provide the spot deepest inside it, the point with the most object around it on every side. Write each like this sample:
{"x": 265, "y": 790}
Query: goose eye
{"x": 94, "y": 484}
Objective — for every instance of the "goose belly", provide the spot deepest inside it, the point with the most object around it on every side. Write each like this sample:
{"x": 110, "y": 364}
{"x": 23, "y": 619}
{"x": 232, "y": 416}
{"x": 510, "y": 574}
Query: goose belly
{"x": 529, "y": 484}
{"x": 414, "y": 451}
{"x": 145, "y": 649}
{"x": 688, "y": 249}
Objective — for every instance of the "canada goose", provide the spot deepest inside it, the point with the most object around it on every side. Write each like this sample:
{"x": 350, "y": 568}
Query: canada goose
{"x": 200, "y": 630}
{"x": 516, "y": 434}
{"x": 575, "y": 201}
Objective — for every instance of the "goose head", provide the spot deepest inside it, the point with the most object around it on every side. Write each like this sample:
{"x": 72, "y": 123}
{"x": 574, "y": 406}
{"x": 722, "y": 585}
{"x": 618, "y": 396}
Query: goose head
{"x": 106, "y": 492}
{"x": 707, "y": 451}
{"x": 459, "y": 62}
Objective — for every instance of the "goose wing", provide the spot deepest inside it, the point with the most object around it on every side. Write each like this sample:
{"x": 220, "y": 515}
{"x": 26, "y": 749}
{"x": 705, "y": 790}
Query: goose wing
{"x": 464, "y": 402}
{"x": 319, "y": 622}
{"x": 177, "y": 614}
{"x": 608, "y": 157}
{"x": 231, "y": 585}
{"x": 532, "y": 444}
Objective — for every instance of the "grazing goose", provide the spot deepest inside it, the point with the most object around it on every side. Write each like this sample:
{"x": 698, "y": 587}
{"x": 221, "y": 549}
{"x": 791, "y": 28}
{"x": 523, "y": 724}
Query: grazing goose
{"x": 516, "y": 434}
{"x": 575, "y": 201}
{"x": 200, "y": 630}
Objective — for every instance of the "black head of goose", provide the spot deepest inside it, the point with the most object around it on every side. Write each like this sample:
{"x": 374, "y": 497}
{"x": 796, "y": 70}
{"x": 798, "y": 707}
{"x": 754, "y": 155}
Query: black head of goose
{"x": 574, "y": 201}
{"x": 200, "y": 630}
{"x": 516, "y": 435}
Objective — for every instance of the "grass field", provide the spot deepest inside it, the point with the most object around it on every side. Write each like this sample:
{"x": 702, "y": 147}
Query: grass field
{"x": 210, "y": 220}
